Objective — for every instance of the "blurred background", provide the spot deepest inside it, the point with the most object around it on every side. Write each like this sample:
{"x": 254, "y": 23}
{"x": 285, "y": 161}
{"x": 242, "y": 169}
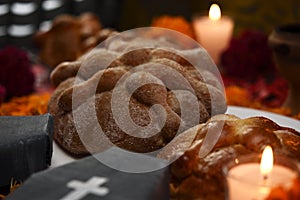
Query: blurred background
{"x": 20, "y": 19}
{"x": 48, "y": 32}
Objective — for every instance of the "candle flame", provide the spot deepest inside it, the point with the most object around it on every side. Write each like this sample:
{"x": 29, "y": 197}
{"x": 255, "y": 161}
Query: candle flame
{"x": 214, "y": 12}
{"x": 266, "y": 164}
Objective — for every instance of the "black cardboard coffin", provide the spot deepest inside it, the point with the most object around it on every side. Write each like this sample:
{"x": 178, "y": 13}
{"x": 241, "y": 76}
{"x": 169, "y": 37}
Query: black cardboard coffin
{"x": 25, "y": 146}
{"x": 105, "y": 183}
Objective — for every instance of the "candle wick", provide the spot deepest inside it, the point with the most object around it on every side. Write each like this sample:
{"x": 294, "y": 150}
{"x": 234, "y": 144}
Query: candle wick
{"x": 265, "y": 177}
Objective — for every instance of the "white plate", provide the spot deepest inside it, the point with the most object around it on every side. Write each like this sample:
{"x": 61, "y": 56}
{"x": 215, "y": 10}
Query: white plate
{"x": 279, "y": 119}
{"x": 60, "y": 157}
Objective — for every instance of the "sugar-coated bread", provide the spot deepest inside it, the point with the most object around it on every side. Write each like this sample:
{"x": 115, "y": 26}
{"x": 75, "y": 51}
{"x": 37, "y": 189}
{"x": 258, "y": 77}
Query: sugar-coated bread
{"x": 154, "y": 83}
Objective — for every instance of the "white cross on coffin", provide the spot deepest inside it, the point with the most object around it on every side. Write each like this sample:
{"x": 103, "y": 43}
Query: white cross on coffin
{"x": 81, "y": 189}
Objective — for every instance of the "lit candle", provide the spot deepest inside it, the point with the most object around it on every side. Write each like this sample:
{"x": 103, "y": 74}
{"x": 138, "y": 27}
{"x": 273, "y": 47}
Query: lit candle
{"x": 267, "y": 162}
{"x": 213, "y": 31}
{"x": 253, "y": 180}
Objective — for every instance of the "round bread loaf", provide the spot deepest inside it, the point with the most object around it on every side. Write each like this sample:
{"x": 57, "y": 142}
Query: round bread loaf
{"x": 159, "y": 85}
{"x": 196, "y": 177}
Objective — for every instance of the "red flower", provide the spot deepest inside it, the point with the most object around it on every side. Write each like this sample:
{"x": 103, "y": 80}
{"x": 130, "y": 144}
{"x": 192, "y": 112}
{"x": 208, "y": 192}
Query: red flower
{"x": 2, "y": 93}
{"x": 15, "y": 72}
{"x": 248, "y": 56}
{"x": 271, "y": 94}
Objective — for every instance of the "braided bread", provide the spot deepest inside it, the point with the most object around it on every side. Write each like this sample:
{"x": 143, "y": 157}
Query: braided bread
{"x": 155, "y": 83}
{"x": 201, "y": 178}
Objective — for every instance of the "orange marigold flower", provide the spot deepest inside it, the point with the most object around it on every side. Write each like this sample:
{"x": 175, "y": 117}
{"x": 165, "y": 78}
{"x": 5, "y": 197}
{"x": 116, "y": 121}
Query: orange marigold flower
{"x": 176, "y": 23}
{"x": 297, "y": 116}
{"x": 237, "y": 96}
{"x": 14, "y": 184}
{"x": 280, "y": 110}
{"x": 35, "y": 104}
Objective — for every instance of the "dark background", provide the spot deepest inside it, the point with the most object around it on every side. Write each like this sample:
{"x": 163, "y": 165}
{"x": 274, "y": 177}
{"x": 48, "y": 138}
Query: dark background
{"x": 127, "y": 14}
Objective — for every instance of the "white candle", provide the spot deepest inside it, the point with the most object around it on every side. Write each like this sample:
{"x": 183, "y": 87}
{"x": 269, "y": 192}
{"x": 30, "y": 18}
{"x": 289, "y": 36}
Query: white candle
{"x": 245, "y": 181}
{"x": 213, "y": 32}
{"x": 253, "y": 181}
